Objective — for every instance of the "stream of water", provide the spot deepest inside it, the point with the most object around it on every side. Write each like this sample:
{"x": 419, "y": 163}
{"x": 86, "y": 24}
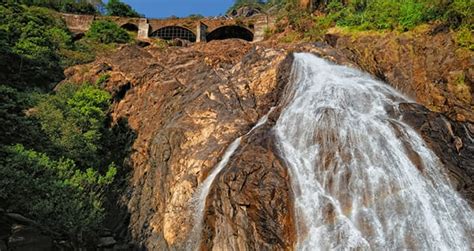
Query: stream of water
{"x": 362, "y": 178}
{"x": 200, "y": 195}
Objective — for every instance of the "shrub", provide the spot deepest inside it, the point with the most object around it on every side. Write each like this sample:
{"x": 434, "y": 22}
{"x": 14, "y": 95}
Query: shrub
{"x": 16, "y": 126}
{"x": 74, "y": 121}
{"x": 411, "y": 14}
{"x": 71, "y": 6}
{"x": 55, "y": 193}
{"x": 105, "y": 31}
{"x": 391, "y": 14}
{"x": 464, "y": 37}
{"x": 30, "y": 38}
{"x": 117, "y": 8}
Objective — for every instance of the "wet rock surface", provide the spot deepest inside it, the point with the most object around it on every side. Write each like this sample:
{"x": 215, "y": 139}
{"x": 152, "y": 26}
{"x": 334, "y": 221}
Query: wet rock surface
{"x": 427, "y": 66}
{"x": 452, "y": 141}
{"x": 250, "y": 205}
{"x": 187, "y": 104}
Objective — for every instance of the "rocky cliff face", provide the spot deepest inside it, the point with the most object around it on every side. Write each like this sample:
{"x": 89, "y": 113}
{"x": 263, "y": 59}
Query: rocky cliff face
{"x": 426, "y": 65}
{"x": 187, "y": 104}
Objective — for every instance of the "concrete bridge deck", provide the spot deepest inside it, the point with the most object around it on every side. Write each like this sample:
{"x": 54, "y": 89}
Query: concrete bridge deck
{"x": 192, "y": 29}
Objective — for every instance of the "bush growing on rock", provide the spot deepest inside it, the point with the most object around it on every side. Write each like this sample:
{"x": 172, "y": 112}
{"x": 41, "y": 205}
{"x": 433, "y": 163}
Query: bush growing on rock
{"x": 117, "y": 8}
{"x": 405, "y": 15}
{"x": 74, "y": 120}
{"x": 70, "y": 6}
{"x": 105, "y": 31}
{"x": 29, "y": 39}
{"x": 55, "y": 193}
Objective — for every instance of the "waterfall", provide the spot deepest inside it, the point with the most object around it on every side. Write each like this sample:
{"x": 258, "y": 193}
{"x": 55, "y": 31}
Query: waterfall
{"x": 198, "y": 201}
{"x": 362, "y": 178}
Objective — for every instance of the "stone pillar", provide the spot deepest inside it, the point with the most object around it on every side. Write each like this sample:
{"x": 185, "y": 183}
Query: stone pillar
{"x": 201, "y": 31}
{"x": 261, "y": 24}
{"x": 143, "y": 28}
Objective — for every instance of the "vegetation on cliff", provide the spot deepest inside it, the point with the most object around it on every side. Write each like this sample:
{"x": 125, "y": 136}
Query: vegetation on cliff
{"x": 117, "y": 8}
{"x": 363, "y": 15}
{"x": 90, "y": 7}
{"x": 58, "y": 153}
{"x": 105, "y": 31}
{"x": 69, "y": 6}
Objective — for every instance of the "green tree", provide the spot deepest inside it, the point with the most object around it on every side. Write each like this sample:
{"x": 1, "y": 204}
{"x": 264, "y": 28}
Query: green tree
{"x": 74, "y": 120}
{"x": 29, "y": 41}
{"x": 55, "y": 193}
{"x": 117, "y": 8}
{"x": 70, "y": 6}
{"x": 105, "y": 31}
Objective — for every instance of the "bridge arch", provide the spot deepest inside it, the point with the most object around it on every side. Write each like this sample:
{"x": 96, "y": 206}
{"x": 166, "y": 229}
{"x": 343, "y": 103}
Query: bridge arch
{"x": 130, "y": 27}
{"x": 230, "y": 31}
{"x": 172, "y": 32}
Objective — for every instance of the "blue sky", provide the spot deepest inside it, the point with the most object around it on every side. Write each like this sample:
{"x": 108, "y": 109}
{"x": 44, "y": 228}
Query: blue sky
{"x": 180, "y": 8}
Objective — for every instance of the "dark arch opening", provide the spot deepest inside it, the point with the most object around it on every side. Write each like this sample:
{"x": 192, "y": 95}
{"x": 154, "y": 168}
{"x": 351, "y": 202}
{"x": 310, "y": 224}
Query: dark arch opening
{"x": 77, "y": 36}
{"x": 231, "y": 31}
{"x": 172, "y": 32}
{"x": 130, "y": 27}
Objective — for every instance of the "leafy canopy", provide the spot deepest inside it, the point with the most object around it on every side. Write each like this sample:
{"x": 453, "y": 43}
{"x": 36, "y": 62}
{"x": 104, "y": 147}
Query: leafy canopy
{"x": 29, "y": 39}
{"x": 105, "y": 31}
{"x": 69, "y": 6}
{"x": 56, "y": 193}
{"x": 74, "y": 120}
{"x": 117, "y": 8}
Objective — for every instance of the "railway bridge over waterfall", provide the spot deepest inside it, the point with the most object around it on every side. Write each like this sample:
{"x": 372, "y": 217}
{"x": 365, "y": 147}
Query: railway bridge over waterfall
{"x": 192, "y": 29}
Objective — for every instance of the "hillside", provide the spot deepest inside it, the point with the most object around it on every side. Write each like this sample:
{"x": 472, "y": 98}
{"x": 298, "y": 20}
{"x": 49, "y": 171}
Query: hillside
{"x": 114, "y": 142}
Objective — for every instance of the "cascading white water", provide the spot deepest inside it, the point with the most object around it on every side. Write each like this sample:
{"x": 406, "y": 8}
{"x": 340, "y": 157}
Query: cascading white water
{"x": 362, "y": 178}
{"x": 198, "y": 201}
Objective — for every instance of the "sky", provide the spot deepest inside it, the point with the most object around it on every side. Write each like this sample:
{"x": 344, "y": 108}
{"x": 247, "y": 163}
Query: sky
{"x": 180, "y": 8}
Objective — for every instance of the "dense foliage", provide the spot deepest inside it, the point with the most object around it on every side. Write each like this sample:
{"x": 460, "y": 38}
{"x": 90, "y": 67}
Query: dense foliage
{"x": 29, "y": 39}
{"x": 406, "y": 14}
{"x": 35, "y": 45}
{"x": 58, "y": 154}
{"x": 118, "y": 8}
{"x": 74, "y": 119}
{"x": 62, "y": 170}
{"x": 69, "y": 6}
{"x": 54, "y": 192}
{"x": 357, "y": 15}
{"x": 105, "y": 31}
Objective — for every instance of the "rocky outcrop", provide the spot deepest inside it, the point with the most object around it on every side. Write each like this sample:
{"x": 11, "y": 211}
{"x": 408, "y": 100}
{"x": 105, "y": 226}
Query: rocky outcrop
{"x": 250, "y": 205}
{"x": 426, "y": 65}
{"x": 452, "y": 141}
{"x": 187, "y": 104}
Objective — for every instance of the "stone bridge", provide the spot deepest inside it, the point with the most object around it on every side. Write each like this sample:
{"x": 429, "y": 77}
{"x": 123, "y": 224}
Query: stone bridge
{"x": 192, "y": 29}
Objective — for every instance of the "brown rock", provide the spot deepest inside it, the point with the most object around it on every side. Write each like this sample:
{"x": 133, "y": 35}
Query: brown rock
{"x": 427, "y": 66}
{"x": 187, "y": 104}
{"x": 250, "y": 206}
{"x": 450, "y": 140}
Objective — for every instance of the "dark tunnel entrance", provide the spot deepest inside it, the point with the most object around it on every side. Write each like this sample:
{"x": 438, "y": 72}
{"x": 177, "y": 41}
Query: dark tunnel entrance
{"x": 231, "y": 31}
{"x": 172, "y": 32}
{"x": 130, "y": 27}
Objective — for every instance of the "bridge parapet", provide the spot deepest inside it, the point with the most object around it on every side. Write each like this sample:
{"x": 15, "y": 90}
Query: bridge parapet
{"x": 200, "y": 28}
